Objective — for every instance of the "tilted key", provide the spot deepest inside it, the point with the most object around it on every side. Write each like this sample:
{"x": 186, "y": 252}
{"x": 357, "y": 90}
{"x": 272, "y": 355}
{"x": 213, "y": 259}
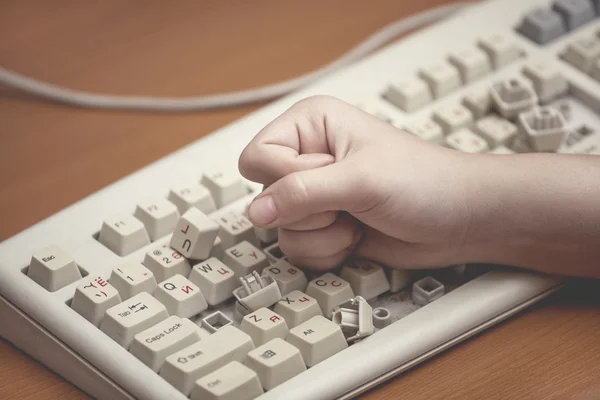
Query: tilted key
{"x": 367, "y": 279}
{"x": 224, "y": 187}
{"x": 257, "y": 292}
{"x": 53, "y": 268}
{"x": 235, "y": 228}
{"x": 125, "y": 320}
{"x": 472, "y": 64}
{"x": 165, "y": 262}
{"x": 263, "y": 325}
{"x": 93, "y": 297}
{"x": 329, "y": 291}
{"x": 317, "y": 339}
{"x": 123, "y": 234}
{"x": 244, "y": 258}
{"x": 181, "y": 297}
{"x": 501, "y": 50}
{"x": 233, "y": 381}
{"x": 215, "y": 280}
{"x": 159, "y": 216}
{"x": 192, "y": 195}
{"x": 154, "y": 344}
{"x": 467, "y": 141}
{"x": 194, "y": 234}
{"x": 288, "y": 277}
{"x": 132, "y": 278}
{"x": 442, "y": 78}
{"x": 297, "y": 307}
{"x": 186, "y": 366}
{"x": 275, "y": 362}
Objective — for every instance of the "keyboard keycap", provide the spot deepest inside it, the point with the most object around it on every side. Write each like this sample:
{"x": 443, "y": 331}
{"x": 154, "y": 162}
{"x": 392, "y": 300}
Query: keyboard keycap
{"x": 263, "y": 325}
{"x": 547, "y": 81}
{"x": 224, "y": 187}
{"x": 235, "y": 228}
{"x": 215, "y": 280}
{"x": 132, "y": 278}
{"x": 275, "y": 362}
{"x": 159, "y": 216}
{"x": 123, "y": 234}
{"x": 317, "y": 339}
{"x": 472, "y": 64}
{"x": 583, "y": 52}
{"x": 192, "y": 195}
{"x": 496, "y": 130}
{"x": 125, "y": 320}
{"x": 234, "y": 381}
{"x": 244, "y": 258}
{"x": 194, "y": 235}
{"x": 181, "y": 297}
{"x": 467, "y": 141}
{"x": 53, "y": 268}
{"x": 183, "y": 368}
{"x": 426, "y": 129}
{"x": 542, "y": 25}
{"x": 442, "y": 79}
{"x": 500, "y": 49}
{"x": 575, "y": 13}
{"x": 478, "y": 101}
{"x": 400, "y": 279}
{"x": 93, "y": 297}
{"x": 408, "y": 95}
{"x": 329, "y": 291}
{"x": 453, "y": 117}
{"x": 367, "y": 279}
{"x": 165, "y": 262}
{"x": 297, "y": 307}
{"x": 288, "y": 277}
{"x": 154, "y": 344}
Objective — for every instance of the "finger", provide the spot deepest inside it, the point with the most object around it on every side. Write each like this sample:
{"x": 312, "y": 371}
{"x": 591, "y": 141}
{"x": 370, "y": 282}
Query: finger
{"x": 310, "y": 134}
{"x": 319, "y": 243}
{"x": 314, "y": 221}
{"x": 337, "y": 186}
{"x": 321, "y": 263}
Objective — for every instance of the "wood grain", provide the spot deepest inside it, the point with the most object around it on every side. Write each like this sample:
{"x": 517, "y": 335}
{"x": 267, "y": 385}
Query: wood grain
{"x": 52, "y": 156}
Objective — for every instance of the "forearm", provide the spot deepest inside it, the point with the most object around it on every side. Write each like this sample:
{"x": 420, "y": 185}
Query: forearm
{"x": 538, "y": 211}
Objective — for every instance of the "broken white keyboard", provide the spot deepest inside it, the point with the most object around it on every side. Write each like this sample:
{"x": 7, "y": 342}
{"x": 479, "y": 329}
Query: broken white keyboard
{"x": 158, "y": 286}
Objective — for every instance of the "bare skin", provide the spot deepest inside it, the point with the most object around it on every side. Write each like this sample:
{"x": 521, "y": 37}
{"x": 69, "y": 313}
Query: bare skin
{"x": 339, "y": 182}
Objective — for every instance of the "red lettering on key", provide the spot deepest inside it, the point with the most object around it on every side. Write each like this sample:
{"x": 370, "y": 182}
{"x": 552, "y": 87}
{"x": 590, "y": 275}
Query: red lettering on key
{"x": 304, "y": 300}
{"x": 186, "y": 229}
{"x": 187, "y": 289}
{"x": 253, "y": 254}
{"x": 101, "y": 282}
{"x": 292, "y": 271}
{"x": 274, "y": 318}
{"x": 336, "y": 283}
{"x": 176, "y": 255}
{"x": 222, "y": 271}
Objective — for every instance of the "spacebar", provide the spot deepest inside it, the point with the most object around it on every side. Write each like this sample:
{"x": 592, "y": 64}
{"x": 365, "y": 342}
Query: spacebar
{"x": 426, "y": 329}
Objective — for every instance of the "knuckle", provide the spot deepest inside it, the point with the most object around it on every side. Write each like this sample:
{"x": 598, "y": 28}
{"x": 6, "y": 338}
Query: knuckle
{"x": 294, "y": 188}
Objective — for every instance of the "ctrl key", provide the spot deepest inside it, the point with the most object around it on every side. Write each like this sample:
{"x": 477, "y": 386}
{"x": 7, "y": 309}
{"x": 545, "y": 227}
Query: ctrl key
{"x": 234, "y": 381}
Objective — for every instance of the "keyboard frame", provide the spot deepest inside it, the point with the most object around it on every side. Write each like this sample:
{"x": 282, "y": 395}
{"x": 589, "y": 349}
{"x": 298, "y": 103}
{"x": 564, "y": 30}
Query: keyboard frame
{"x": 106, "y": 370}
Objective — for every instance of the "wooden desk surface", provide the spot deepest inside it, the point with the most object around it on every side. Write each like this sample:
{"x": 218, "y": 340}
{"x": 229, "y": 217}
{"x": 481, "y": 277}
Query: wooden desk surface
{"x": 51, "y": 156}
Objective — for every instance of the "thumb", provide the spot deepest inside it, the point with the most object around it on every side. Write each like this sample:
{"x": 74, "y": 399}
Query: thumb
{"x": 334, "y": 187}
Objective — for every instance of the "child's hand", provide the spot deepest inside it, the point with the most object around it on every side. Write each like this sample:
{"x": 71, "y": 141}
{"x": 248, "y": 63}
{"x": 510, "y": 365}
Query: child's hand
{"x": 326, "y": 164}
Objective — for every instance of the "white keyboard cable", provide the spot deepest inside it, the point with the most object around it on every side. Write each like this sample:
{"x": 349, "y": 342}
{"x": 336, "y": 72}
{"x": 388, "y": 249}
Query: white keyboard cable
{"x": 77, "y": 98}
